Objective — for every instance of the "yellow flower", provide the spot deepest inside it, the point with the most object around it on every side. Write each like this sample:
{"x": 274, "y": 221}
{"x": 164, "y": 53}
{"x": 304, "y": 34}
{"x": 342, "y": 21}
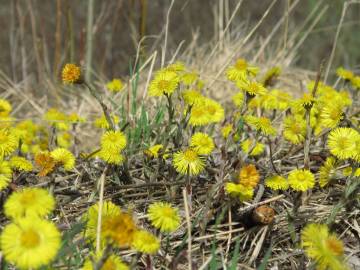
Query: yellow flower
{"x": 238, "y": 190}
{"x": 226, "y": 130}
{"x": 75, "y": 118}
{"x": 323, "y": 247}
{"x": 109, "y": 211}
{"x": 342, "y": 142}
{"x": 5, "y": 174}
{"x": 214, "y": 110}
{"x": 277, "y": 182}
{"x": 101, "y": 122}
{"x": 344, "y": 73}
{"x": 116, "y": 85}
{"x": 29, "y": 202}
{"x": 113, "y": 140}
{"x": 355, "y": 82}
{"x": 270, "y": 75}
{"x": 176, "y": 67}
{"x": 301, "y": 180}
{"x": 241, "y": 70}
{"x": 192, "y": 97}
{"x": 251, "y": 87}
{"x": 71, "y": 73}
{"x": 30, "y": 242}
{"x": 189, "y": 78}
{"x": 199, "y": 116}
{"x": 45, "y": 162}
{"x": 21, "y": 164}
{"x": 153, "y": 151}
{"x": 145, "y": 242}
{"x": 5, "y": 108}
{"x": 249, "y": 176}
{"x": 202, "y": 143}
{"x": 294, "y": 129}
{"x": 57, "y": 119}
{"x": 331, "y": 115}
{"x": 165, "y": 82}
{"x": 238, "y": 99}
{"x": 64, "y": 157}
{"x": 111, "y": 156}
{"x": 258, "y": 148}
{"x": 8, "y": 142}
{"x": 113, "y": 262}
{"x": 188, "y": 162}
{"x": 276, "y": 100}
{"x": 262, "y": 124}
{"x": 64, "y": 140}
{"x": 117, "y": 227}
{"x": 163, "y": 216}
{"x": 327, "y": 171}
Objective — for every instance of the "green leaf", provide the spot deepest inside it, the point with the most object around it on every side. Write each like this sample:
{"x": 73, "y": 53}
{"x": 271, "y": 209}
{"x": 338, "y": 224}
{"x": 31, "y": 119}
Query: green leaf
{"x": 266, "y": 258}
{"x": 235, "y": 256}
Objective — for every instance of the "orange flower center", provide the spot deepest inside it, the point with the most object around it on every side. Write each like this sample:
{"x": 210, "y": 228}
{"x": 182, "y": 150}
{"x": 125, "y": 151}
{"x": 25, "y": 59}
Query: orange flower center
{"x": 190, "y": 155}
{"x": 30, "y": 239}
{"x": 335, "y": 246}
{"x": 241, "y": 65}
{"x": 163, "y": 85}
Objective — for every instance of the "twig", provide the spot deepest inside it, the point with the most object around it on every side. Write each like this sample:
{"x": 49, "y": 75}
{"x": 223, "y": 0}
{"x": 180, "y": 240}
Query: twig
{"x": 101, "y": 199}
{"x": 188, "y": 223}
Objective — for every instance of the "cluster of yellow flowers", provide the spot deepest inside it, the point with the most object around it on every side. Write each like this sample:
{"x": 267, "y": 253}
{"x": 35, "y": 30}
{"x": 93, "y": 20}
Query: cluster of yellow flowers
{"x": 118, "y": 229}
{"x": 30, "y": 240}
{"x": 197, "y": 136}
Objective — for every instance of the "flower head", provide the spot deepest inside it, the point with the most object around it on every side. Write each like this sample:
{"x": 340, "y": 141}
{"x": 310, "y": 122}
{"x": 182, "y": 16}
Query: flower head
{"x": 344, "y": 73}
{"x": 153, "y": 151}
{"x": 64, "y": 157}
{"x": 327, "y": 171}
{"x": 57, "y": 119}
{"x": 21, "y": 164}
{"x": 163, "y": 216}
{"x": 101, "y": 122}
{"x": 188, "y": 162}
{"x": 323, "y": 247}
{"x": 301, "y": 180}
{"x": 249, "y": 176}
{"x": 294, "y": 128}
{"x": 277, "y": 182}
{"x": 5, "y": 107}
{"x": 111, "y": 156}
{"x": 240, "y": 191}
{"x": 261, "y": 124}
{"x": 270, "y": 75}
{"x": 192, "y": 97}
{"x": 8, "y": 142}
{"x": 145, "y": 242}
{"x": 238, "y": 99}
{"x": 189, "y": 78}
{"x": 5, "y": 174}
{"x": 113, "y": 262}
{"x": 342, "y": 142}
{"x": 30, "y": 243}
{"x": 256, "y": 147}
{"x": 241, "y": 70}
{"x": 71, "y": 73}
{"x": 226, "y": 130}
{"x": 116, "y": 85}
{"x": 115, "y": 140}
{"x": 331, "y": 115}
{"x": 251, "y": 87}
{"x": 202, "y": 143}
{"x": 117, "y": 227}
{"x": 29, "y": 202}
{"x": 45, "y": 162}
{"x": 165, "y": 82}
